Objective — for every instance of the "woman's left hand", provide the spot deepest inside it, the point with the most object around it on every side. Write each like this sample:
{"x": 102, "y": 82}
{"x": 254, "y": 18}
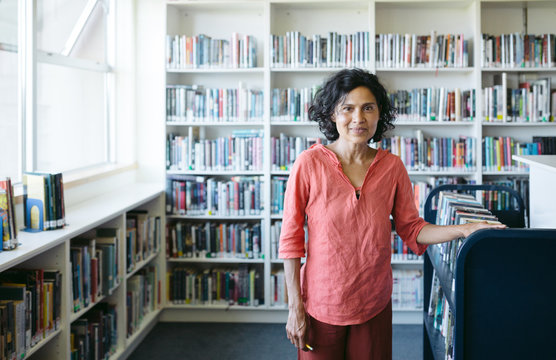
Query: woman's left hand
{"x": 470, "y": 228}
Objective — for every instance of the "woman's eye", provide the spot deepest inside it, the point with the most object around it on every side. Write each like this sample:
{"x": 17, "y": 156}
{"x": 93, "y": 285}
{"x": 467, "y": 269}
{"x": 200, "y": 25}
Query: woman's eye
{"x": 369, "y": 108}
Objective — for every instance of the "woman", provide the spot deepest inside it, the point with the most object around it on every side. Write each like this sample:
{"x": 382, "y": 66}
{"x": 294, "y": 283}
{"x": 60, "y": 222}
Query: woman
{"x": 340, "y": 302}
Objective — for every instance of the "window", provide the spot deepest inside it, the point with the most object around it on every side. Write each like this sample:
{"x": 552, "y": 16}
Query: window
{"x": 10, "y": 138}
{"x": 72, "y": 80}
{"x": 64, "y": 79}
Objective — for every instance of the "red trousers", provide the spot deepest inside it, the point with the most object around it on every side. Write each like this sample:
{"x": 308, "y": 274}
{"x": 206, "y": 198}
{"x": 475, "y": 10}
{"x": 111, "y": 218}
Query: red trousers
{"x": 370, "y": 340}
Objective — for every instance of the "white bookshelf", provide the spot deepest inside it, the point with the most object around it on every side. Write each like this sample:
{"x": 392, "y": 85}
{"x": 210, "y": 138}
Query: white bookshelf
{"x": 50, "y": 250}
{"x": 265, "y": 17}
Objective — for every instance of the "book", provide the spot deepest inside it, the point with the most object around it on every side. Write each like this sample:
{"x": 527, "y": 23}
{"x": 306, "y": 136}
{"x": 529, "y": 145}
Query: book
{"x": 107, "y": 239}
{"x": 34, "y": 202}
{"x": 8, "y": 225}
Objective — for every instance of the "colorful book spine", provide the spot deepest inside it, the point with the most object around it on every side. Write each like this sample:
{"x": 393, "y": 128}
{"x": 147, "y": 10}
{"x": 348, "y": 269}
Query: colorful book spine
{"x": 434, "y": 104}
{"x": 498, "y": 151}
{"x": 43, "y": 197}
{"x": 291, "y": 104}
{"x": 285, "y": 149}
{"x": 278, "y": 292}
{"x": 517, "y": 50}
{"x": 95, "y": 333}
{"x": 143, "y": 237}
{"x": 214, "y": 240}
{"x": 197, "y": 196}
{"x": 400, "y": 250}
{"x": 238, "y": 152}
{"x": 407, "y": 290}
{"x": 30, "y": 308}
{"x": 531, "y": 102}
{"x": 202, "y": 51}
{"x": 278, "y": 190}
{"x": 242, "y": 286}
{"x": 194, "y": 103}
{"x": 433, "y": 153}
{"x": 142, "y": 297}
{"x": 421, "y": 51}
{"x": 295, "y": 50}
{"x": 8, "y": 224}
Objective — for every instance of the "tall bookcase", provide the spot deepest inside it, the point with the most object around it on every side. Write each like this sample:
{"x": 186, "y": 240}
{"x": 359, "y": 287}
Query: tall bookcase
{"x": 50, "y": 250}
{"x": 262, "y": 19}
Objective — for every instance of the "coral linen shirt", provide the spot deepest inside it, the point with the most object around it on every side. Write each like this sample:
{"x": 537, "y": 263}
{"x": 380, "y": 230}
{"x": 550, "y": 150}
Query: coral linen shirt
{"x": 347, "y": 278}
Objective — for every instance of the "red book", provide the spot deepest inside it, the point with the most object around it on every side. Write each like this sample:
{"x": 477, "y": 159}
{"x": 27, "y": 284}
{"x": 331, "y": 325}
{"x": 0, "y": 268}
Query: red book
{"x": 182, "y": 197}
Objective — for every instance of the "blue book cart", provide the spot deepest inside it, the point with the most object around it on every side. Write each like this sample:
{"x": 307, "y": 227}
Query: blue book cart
{"x": 503, "y": 297}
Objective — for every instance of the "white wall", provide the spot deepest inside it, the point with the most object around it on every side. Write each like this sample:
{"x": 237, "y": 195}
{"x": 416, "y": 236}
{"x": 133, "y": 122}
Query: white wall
{"x": 150, "y": 89}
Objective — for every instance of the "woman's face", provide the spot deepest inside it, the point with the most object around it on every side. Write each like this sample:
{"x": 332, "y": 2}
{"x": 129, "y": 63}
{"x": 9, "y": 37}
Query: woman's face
{"x": 357, "y": 116}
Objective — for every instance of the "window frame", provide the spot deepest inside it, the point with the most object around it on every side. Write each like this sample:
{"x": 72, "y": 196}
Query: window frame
{"x": 28, "y": 58}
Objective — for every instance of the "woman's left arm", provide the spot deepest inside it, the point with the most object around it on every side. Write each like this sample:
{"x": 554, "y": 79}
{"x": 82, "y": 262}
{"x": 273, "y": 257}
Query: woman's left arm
{"x": 435, "y": 234}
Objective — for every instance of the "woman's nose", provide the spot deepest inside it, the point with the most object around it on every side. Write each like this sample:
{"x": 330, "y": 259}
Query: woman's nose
{"x": 357, "y": 115}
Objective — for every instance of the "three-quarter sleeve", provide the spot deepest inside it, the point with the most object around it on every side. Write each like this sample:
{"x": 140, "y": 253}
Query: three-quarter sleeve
{"x": 406, "y": 216}
{"x": 292, "y": 234}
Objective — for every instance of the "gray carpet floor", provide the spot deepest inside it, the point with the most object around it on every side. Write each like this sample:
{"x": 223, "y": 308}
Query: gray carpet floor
{"x": 222, "y": 341}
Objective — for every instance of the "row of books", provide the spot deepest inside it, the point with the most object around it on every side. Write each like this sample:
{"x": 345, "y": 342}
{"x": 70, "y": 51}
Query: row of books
{"x": 94, "y": 336}
{"x": 30, "y": 309}
{"x": 278, "y": 189}
{"x": 291, "y": 104}
{"x": 285, "y": 149}
{"x": 8, "y": 223}
{"x": 143, "y": 297}
{"x": 202, "y": 51}
{"x": 442, "y": 317}
{"x": 334, "y": 50}
{"x": 547, "y": 144}
{"x": 434, "y": 104}
{"x": 414, "y": 51}
{"x": 497, "y": 200}
{"x": 498, "y": 151}
{"x": 240, "y": 286}
{"x": 214, "y": 240}
{"x": 278, "y": 290}
{"x": 502, "y": 200}
{"x": 400, "y": 250}
{"x": 407, "y": 289}
{"x": 243, "y": 150}
{"x": 352, "y": 50}
{"x": 43, "y": 198}
{"x": 517, "y": 50}
{"x": 432, "y": 153}
{"x": 143, "y": 237}
{"x": 195, "y": 103}
{"x": 533, "y": 101}
{"x": 456, "y": 209}
{"x": 421, "y": 189}
{"x": 453, "y": 209}
{"x": 197, "y": 195}
{"x": 94, "y": 267}
{"x": 275, "y": 229}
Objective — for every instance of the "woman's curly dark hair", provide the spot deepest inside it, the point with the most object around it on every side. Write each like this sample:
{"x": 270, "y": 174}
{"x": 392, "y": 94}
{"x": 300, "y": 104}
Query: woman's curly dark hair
{"x": 336, "y": 88}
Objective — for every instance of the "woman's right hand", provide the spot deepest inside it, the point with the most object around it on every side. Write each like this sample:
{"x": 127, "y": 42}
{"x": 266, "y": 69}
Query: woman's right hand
{"x": 297, "y": 326}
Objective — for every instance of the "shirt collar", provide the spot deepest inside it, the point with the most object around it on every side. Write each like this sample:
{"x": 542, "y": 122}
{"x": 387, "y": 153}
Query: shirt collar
{"x": 332, "y": 156}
